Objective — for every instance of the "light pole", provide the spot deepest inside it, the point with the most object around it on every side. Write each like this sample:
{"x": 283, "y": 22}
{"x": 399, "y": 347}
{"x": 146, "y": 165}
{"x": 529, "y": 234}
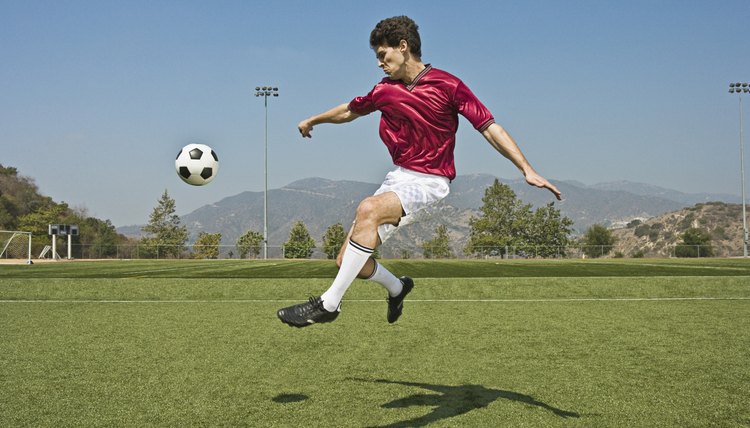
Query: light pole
{"x": 740, "y": 88}
{"x": 265, "y": 92}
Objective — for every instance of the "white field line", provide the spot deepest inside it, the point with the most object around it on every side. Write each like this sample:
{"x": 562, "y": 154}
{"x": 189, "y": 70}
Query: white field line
{"x": 552, "y": 300}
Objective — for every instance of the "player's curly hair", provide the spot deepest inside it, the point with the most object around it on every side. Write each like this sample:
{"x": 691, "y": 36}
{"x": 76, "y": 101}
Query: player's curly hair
{"x": 391, "y": 31}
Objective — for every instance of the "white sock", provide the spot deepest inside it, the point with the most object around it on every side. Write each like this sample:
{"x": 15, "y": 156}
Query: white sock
{"x": 384, "y": 277}
{"x": 355, "y": 257}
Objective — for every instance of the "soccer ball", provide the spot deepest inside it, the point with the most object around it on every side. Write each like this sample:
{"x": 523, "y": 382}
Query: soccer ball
{"x": 197, "y": 164}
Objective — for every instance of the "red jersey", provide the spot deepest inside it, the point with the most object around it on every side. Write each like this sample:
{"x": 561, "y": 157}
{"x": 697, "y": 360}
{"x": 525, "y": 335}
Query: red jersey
{"x": 419, "y": 121}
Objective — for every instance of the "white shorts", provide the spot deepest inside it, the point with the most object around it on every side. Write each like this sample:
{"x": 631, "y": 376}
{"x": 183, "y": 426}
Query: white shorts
{"x": 416, "y": 191}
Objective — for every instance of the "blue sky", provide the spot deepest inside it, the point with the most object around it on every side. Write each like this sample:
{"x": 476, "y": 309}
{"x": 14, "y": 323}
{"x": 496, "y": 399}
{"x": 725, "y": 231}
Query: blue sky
{"x": 97, "y": 97}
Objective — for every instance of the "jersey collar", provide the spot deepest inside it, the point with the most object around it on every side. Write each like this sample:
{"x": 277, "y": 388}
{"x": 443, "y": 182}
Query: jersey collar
{"x": 421, "y": 74}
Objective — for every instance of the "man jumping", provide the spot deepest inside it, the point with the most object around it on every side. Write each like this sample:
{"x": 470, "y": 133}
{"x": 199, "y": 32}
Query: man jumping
{"x": 419, "y": 106}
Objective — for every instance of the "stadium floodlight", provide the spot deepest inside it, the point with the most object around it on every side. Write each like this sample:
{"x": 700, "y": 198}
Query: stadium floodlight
{"x": 740, "y": 88}
{"x": 265, "y": 92}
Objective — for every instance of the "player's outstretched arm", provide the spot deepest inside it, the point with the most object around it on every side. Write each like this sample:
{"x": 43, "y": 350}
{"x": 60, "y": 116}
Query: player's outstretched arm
{"x": 506, "y": 145}
{"x": 338, "y": 114}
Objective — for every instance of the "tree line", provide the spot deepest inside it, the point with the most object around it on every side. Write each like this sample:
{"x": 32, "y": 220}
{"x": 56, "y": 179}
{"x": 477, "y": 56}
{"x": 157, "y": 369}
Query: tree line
{"x": 503, "y": 223}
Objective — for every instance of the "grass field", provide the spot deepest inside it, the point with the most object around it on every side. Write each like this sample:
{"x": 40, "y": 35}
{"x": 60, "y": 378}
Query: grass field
{"x": 591, "y": 343}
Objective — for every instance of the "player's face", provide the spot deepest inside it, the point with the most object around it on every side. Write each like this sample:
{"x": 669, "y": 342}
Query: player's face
{"x": 392, "y": 61}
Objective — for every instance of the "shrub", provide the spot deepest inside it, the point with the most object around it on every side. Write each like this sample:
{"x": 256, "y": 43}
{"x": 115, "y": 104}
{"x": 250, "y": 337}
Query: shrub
{"x": 642, "y": 230}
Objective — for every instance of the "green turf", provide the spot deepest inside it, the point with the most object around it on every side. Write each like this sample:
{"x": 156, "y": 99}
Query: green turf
{"x": 537, "y": 343}
{"x": 417, "y": 268}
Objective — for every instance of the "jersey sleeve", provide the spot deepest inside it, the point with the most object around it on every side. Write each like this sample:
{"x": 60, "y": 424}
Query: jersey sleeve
{"x": 472, "y": 109}
{"x": 363, "y": 105}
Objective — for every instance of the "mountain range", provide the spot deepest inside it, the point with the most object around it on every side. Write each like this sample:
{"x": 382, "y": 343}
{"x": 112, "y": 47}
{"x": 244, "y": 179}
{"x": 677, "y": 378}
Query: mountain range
{"x": 320, "y": 203}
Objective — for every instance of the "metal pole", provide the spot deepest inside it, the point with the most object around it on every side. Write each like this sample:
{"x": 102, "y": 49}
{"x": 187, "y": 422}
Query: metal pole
{"x": 265, "y": 92}
{"x": 29, "y": 260}
{"x": 265, "y": 188}
{"x": 740, "y": 88}
{"x": 742, "y": 170}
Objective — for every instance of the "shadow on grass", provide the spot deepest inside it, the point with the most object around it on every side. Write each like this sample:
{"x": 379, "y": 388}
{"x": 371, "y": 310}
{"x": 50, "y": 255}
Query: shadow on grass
{"x": 452, "y": 401}
{"x": 289, "y": 398}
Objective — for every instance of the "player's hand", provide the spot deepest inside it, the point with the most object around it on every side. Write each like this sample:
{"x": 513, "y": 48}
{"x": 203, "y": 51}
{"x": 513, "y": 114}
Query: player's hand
{"x": 305, "y": 128}
{"x": 537, "y": 180}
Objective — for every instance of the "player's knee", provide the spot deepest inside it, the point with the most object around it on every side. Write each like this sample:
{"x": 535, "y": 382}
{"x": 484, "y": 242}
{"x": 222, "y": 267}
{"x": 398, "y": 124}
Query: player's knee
{"x": 367, "y": 210}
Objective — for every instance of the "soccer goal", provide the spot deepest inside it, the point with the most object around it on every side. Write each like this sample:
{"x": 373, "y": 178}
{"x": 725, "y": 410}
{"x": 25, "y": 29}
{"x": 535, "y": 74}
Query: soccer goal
{"x": 15, "y": 246}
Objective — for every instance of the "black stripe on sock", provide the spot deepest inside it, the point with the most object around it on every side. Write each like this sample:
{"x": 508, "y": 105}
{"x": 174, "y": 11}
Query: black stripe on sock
{"x": 361, "y": 247}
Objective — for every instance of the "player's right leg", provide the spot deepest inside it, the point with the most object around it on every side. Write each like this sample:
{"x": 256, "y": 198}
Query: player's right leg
{"x": 371, "y": 213}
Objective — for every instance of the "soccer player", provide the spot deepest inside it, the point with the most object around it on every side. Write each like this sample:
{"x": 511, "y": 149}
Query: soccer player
{"x": 419, "y": 106}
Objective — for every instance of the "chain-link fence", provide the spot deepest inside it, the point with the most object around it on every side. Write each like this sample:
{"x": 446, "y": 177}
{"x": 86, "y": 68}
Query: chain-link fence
{"x": 226, "y": 252}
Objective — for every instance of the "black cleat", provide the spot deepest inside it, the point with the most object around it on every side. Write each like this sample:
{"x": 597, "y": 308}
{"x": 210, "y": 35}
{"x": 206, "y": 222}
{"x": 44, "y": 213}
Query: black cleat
{"x": 396, "y": 304}
{"x": 307, "y": 313}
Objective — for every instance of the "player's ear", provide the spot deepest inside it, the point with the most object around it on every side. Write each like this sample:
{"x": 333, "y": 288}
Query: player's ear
{"x": 403, "y": 46}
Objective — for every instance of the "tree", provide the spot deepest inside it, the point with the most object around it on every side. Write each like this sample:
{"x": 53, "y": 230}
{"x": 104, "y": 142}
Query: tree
{"x": 548, "y": 232}
{"x": 507, "y": 223}
{"x": 99, "y": 237}
{"x": 167, "y": 237}
{"x": 439, "y": 246}
{"x": 249, "y": 243}
{"x": 633, "y": 223}
{"x": 597, "y": 241}
{"x": 333, "y": 240}
{"x": 695, "y": 243}
{"x": 501, "y": 222}
{"x": 207, "y": 246}
{"x": 300, "y": 244}
{"x": 19, "y": 196}
{"x": 38, "y": 221}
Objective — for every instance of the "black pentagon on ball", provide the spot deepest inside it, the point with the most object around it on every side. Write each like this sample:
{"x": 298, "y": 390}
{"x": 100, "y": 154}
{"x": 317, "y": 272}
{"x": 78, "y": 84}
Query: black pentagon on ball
{"x": 184, "y": 172}
{"x": 216, "y": 158}
{"x": 196, "y": 154}
{"x": 207, "y": 173}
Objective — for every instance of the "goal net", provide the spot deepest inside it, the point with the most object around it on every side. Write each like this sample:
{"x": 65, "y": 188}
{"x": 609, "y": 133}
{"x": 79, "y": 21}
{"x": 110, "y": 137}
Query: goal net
{"x": 15, "y": 246}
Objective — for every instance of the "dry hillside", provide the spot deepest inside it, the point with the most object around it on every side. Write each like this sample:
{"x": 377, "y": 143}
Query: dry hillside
{"x": 656, "y": 237}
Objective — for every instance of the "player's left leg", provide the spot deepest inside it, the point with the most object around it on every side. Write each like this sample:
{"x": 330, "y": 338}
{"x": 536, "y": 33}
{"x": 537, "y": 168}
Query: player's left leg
{"x": 417, "y": 192}
{"x": 397, "y": 288}
{"x": 372, "y": 270}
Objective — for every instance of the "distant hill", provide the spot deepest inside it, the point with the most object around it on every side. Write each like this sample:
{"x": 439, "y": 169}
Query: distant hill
{"x": 320, "y": 203}
{"x": 658, "y": 236}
